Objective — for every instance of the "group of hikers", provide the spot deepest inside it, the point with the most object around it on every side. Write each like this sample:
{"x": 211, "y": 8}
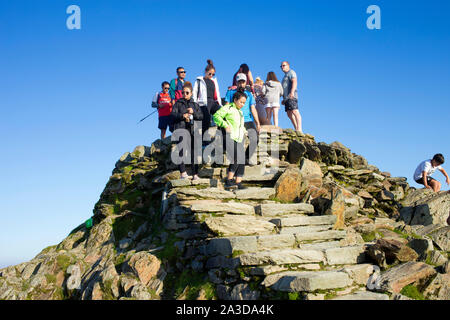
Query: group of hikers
{"x": 248, "y": 105}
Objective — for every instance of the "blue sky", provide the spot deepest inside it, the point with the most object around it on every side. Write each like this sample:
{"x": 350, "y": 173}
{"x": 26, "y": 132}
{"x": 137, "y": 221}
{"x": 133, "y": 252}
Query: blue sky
{"x": 71, "y": 99}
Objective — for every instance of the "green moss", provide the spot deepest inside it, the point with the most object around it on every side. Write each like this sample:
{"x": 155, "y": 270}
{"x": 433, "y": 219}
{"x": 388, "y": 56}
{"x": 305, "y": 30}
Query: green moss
{"x": 58, "y": 294}
{"x": 237, "y": 253}
{"x": 368, "y": 237}
{"x": 412, "y": 292}
{"x": 123, "y": 225}
{"x": 294, "y": 296}
{"x": 106, "y": 287}
{"x": 190, "y": 283}
{"x": 63, "y": 261}
{"x": 50, "y": 278}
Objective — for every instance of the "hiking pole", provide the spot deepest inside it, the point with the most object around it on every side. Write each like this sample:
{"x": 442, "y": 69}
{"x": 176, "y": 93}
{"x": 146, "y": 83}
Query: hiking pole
{"x": 147, "y": 116}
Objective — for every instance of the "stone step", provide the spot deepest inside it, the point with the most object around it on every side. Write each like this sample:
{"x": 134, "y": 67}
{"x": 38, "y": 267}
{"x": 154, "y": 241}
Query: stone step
{"x": 261, "y": 173}
{"x": 280, "y": 209}
{"x": 236, "y": 225}
{"x": 321, "y": 235}
{"x": 207, "y": 193}
{"x": 221, "y": 207}
{"x": 307, "y": 281}
{"x": 246, "y": 244}
{"x": 281, "y": 257}
{"x": 363, "y": 295}
{"x": 254, "y": 193}
{"x": 265, "y": 242}
{"x": 329, "y": 256}
{"x": 305, "y": 229}
{"x": 304, "y": 220}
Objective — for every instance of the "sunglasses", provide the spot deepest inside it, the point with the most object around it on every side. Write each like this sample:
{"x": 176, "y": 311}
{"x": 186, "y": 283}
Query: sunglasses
{"x": 186, "y": 92}
{"x": 181, "y": 71}
{"x": 211, "y": 74}
{"x": 166, "y": 88}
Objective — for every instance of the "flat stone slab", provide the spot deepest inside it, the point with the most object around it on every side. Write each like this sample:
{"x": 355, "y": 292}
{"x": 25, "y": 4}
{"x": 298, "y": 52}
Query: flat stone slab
{"x": 363, "y": 295}
{"x": 279, "y": 209}
{"x": 255, "y": 193}
{"x": 266, "y": 270}
{"x": 235, "y": 225}
{"x": 279, "y": 257}
{"x": 209, "y": 193}
{"x": 180, "y": 183}
{"x": 226, "y": 246}
{"x": 320, "y": 245}
{"x": 224, "y": 207}
{"x": 270, "y": 242}
{"x": 246, "y": 244}
{"x": 305, "y": 229}
{"x": 307, "y": 281}
{"x": 260, "y": 173}
{"x": 321, "y": 235}
{"x": 345, "y": 255}
{"x": 304, "y": 220}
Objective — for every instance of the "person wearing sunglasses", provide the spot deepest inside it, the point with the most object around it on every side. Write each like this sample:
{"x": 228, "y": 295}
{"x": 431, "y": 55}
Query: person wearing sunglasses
{"x": 290, "y": 95}
{"x": 163, "y": 102}
{"x": 206, "y": 93}
{"x": 176, "y": 85}
{"x": 184, "y": 113}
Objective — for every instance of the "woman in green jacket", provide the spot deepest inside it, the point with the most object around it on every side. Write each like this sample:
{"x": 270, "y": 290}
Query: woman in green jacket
{"x": 231, "y": 118}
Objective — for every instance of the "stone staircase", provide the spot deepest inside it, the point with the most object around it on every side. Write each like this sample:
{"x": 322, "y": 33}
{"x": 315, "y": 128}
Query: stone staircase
{"x": 244, "y": 237}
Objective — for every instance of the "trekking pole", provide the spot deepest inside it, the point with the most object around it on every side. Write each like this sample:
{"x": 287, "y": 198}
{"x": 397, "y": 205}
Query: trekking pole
{"x": 147, "y": 116}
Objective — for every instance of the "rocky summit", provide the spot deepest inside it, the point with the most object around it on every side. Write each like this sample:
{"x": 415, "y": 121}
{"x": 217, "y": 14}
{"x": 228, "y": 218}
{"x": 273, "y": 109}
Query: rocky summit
{"x": 316, "y": 222}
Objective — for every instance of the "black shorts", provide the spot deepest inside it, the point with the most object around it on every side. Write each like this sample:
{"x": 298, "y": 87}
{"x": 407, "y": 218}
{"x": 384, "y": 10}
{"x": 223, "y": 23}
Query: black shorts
{"x": 164, "y": 122}
{"x": 429, "y": 179}
{"x": 290, "y": 104}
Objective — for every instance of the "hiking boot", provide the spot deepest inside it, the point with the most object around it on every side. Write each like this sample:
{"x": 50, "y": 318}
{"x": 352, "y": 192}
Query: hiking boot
{"x": 195, "y": 177}
{"x": 230, "y": 184}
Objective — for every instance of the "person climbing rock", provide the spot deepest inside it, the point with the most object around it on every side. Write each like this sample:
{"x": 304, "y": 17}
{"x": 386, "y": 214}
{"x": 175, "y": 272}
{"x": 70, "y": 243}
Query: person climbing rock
{"x": 426, "y": 168}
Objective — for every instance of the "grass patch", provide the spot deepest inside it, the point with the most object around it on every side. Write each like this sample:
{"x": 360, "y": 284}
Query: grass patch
{"x": 51, "y": 278}
{"x": 237, "y": 253}
{"x": 189, "y": 284}
{"x": 412, "y": 292}
{"x": 63, "y": 261}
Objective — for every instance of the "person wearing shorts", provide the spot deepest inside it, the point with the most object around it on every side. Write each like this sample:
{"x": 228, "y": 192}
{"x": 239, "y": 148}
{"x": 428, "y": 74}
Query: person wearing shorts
{"x": 273, "y": 91}
{"x": 163, "y": 102}
{"x": 423, "y": 172}
{"x": 290, "y": 96}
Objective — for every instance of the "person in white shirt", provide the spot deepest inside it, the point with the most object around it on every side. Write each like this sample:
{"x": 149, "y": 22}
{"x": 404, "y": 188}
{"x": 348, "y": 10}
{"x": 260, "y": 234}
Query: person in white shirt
{"x": 426, "y": 168}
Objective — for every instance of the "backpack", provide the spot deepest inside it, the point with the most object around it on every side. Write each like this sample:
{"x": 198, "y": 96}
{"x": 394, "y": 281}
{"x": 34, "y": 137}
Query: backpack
{"x": 178, "y": 93}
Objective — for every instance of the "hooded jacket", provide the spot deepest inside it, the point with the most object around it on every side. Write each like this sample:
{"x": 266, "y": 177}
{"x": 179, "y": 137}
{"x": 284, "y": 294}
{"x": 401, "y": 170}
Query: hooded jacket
{"x": 201, "y": 97}
{"x": 273, "y": 92}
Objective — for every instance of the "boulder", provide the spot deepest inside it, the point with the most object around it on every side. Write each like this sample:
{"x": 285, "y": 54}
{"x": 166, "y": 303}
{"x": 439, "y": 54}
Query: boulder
{"x": 441, "y": 237}
{"x": 439, "y": 288}
{"x": 388, "y": 251}
{"x": 400, "y": 276}
{"x": 289, "y": 185}
{"x": 145, "y": 265}
{"x": 426, "y": 207}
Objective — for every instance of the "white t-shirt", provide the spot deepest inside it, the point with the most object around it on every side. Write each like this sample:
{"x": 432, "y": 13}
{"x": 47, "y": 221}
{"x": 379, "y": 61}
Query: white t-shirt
{"x": 427, "y": 167}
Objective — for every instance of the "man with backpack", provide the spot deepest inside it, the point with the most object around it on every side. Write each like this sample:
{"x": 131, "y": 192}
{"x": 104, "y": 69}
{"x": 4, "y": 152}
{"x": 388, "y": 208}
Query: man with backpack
{"x": 176, "y": 85}
{"x": 163, "y": 101}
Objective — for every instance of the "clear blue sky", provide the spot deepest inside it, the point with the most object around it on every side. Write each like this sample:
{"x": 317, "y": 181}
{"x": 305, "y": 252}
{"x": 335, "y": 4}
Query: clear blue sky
{"x": 70, "y": 99}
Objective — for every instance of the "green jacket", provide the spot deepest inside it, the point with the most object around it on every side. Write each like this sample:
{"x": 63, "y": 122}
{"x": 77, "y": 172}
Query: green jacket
{"x": 230, "y": 116}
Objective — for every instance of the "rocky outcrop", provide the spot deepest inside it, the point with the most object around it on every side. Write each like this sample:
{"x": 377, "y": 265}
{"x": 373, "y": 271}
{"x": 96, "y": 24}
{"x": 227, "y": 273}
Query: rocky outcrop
{"x": 317, "y": 222}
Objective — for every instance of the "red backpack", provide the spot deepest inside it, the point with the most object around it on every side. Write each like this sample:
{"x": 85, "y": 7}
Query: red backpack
{"x": 178, "y": 93}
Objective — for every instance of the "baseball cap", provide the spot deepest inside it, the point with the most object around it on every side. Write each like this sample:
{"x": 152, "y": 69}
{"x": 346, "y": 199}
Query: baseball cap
{"x": 240, "y": 77}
